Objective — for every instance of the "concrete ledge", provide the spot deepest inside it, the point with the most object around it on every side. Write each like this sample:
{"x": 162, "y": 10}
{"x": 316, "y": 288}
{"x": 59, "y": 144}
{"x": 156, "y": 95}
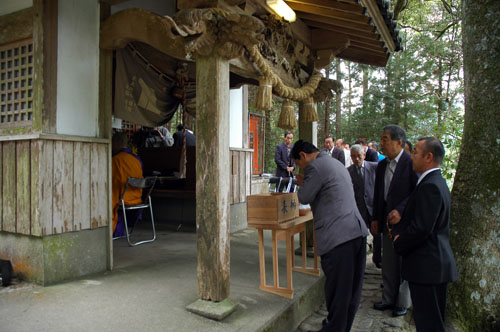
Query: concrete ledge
{"x": 213, "y": 310}
{"x": 302, "y": 307}
{"x": 51, "y": 259}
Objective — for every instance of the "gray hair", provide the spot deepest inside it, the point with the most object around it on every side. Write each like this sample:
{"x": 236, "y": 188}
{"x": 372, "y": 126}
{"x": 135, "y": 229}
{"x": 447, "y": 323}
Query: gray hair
{"x": 357, "y": 147}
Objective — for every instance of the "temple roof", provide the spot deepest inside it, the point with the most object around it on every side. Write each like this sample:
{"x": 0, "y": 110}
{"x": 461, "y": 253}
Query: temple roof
{"x": 362, "y": 31}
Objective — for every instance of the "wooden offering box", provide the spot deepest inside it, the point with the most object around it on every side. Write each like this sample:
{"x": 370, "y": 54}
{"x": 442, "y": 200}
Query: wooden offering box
{"x": 272, "y": 208}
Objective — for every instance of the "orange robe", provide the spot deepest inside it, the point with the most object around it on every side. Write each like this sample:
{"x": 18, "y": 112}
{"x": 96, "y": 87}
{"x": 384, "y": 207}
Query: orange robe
{"x": 124, "y": 166}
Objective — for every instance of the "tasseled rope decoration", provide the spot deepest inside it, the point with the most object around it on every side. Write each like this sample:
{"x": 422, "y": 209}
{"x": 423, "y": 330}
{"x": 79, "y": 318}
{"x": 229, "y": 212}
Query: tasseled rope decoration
{"x": 287, "y": 118}
{"x": 308, "y": 111}
{"x": 264, "y": 97}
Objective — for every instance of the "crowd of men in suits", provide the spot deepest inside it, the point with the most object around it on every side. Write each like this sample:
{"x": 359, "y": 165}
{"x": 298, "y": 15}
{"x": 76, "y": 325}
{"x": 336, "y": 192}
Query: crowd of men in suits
{"x": 402, "y": 198}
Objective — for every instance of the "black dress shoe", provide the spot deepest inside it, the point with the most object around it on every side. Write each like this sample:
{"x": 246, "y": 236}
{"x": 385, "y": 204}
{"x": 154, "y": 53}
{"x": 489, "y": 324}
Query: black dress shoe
{"x": 399, "y": 311}
{"x": 382, "y": 306}
{"x": 324, "y": 322}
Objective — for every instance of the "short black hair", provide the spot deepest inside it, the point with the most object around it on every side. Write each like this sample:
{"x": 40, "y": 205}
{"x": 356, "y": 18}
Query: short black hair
{"x": 397, "y": 133}
{"x": 330, "y": 136}
{"x": 302, "y": 146}
{"x": 287, "y": 132}
{"x": 409, "y": 145}
{"x": 434, "y": 146}
{"x": 180, "y": 127}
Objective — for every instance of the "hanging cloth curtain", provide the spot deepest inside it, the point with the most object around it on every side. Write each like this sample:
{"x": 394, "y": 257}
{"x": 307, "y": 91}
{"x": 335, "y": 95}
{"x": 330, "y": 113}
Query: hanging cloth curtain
{"x": 142, "y": 94}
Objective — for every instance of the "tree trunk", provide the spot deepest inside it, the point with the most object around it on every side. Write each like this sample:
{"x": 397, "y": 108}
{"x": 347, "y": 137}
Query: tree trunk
{"x": 440, "y": 104}
{"x": 338, "y": 117}
{"x": 475, "y": 213}
{"x": 366, "y": 77}
{"x": 327, "y": 107}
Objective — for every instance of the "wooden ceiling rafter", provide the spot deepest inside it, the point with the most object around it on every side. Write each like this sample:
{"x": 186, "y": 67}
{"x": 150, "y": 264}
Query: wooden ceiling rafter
{"x": 343, "y": 30}
{"x": 360, "y": 46}
{"x": 355, "y": 9}
{"x": 323, "y": 39}
{"x": 328, "y": 12}
{"x": 337, "y": 22}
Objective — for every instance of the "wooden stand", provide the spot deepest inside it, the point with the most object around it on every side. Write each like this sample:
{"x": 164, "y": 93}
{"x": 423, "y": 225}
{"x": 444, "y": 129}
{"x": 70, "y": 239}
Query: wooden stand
{"x": 285, "y": 231}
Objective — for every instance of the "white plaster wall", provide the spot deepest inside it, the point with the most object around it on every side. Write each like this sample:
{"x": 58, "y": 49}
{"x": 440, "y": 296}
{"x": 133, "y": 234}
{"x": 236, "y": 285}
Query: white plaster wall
{"x": 10, "y": 6}
{"x": 236, "y": 118}
{"x": 78, "y": 67}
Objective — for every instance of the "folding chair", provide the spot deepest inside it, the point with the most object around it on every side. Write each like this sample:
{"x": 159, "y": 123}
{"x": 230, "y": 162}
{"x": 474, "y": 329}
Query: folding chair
{"x": 147, "y": 185}
{"x": 276, "y": 180}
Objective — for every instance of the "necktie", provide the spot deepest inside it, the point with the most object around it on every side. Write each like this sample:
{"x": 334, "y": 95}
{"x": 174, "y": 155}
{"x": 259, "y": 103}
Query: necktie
{"x": 360, "y": 172}
{"x": 389, "y": 172}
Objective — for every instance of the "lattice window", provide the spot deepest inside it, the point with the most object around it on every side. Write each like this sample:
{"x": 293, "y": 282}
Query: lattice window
{"x": 130, "y": 127}
{"x": 16, "y": 84}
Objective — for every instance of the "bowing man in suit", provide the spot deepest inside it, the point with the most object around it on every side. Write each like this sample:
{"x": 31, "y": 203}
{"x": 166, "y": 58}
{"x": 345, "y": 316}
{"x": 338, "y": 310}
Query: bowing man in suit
{"x": 423, "y": 238}
{"x": 363, "y": 181}
{"x": 340, "y": 231}
{"x": 334, "y": 151}
{"x": 394, "y": 182}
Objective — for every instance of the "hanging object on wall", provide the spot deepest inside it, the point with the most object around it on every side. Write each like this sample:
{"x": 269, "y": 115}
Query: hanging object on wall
{"x": 264, "y": 97}
{"x": 308, "y": 112}
{"x": 287, "y": 118}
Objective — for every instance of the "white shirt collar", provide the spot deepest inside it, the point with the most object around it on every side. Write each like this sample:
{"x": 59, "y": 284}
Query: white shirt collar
{"x": 425, "y": 173}
{"x": 398, "y": 156}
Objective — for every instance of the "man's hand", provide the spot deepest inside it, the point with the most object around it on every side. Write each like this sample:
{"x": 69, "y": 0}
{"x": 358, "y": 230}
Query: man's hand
{"x": 300, "y": 179}
{"x": 289, "y": 169}
{"x": 375, "y": 230}
{"x": 393, "y": 217}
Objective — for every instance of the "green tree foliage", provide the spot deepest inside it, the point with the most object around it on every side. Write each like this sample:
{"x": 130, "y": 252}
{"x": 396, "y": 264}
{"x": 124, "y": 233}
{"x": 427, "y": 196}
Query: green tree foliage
{"x": 420, "y": 89}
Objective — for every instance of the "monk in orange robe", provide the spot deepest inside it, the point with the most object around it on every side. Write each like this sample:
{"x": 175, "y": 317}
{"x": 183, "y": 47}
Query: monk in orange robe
{"x": 125, "y": 164}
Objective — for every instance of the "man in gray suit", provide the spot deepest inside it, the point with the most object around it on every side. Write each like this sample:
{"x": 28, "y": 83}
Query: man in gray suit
{"x": 363, "y": 181}
{"x": 394, "y": 182}
{"x": 340, "y": 231}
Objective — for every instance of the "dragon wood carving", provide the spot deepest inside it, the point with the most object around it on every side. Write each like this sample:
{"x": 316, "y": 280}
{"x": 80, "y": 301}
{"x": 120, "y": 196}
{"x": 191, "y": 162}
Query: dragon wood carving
{"x": 188, "y": 33}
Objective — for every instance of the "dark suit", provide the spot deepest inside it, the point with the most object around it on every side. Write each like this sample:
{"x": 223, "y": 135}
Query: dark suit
{"x": 402, "y": 184}
{"x": 283, "y": 160}
{"x": 363, "y": 189}
{"x": 337, "y": 154}
{"x": 428, "y": 263}
{"x": 371, "y": 155}
{"x": 179, "y": 138}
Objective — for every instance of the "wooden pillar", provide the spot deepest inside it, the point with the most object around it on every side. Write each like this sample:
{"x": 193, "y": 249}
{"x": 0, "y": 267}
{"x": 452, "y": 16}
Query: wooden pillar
{"x": 308, "y": 131}
{"x": 212, "y": 177}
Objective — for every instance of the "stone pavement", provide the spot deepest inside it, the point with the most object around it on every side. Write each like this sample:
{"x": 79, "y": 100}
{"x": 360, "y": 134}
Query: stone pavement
{"x": 367, "y": 319}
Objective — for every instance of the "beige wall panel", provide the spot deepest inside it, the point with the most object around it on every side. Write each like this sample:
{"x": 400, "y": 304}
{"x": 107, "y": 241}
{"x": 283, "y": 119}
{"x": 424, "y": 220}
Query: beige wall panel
{"x": 63, "y": 187}
{"x": 46, "y": 190}
{"x": 234, "y": 193}
{"x": 248, "y": 175}
{"x": 99, "y": 190}
{"x": 35, "y": 189}
{"x": 82, "y": 186}
{"x": 242, "y": 176}
{"x": 1, "y": 184}
{"x": 23, "y": 187}
{"x": 9, "y": 187}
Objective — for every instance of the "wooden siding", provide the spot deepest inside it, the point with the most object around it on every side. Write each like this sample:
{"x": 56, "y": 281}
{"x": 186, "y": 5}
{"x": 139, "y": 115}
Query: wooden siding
{"x": 50, "y": 186}
{"x": 241, "y": 163}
